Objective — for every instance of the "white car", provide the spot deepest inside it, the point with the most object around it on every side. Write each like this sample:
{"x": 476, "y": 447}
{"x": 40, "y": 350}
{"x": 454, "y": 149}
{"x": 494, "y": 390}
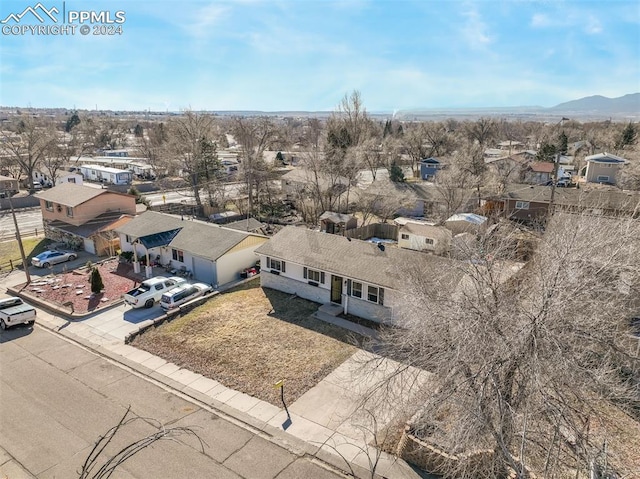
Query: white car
{"x": 150, "y": 291}
{"x": 183, "y": 294}
{"x": 48, "y": 258}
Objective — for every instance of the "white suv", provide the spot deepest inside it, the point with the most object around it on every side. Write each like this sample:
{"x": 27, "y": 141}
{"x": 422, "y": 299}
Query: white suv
{"x": 151, "y": 290}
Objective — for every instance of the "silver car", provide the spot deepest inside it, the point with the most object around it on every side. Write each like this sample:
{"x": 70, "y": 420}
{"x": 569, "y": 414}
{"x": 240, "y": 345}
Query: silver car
{"x": 48, "y": 258}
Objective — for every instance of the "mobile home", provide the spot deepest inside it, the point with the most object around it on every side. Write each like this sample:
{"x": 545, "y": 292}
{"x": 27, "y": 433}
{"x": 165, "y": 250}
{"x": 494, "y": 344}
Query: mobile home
{"x": 105, "y": 174}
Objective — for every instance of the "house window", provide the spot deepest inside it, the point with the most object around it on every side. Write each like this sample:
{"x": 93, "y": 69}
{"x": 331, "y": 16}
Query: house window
{"x": 48, "y": 205}
{"x": 522, "y": 205}
{"x": 375, "y": 295}
{"x": 276, "y": 264}
{"x": 603, "y": 178}
{"x": 69, "y": 211}
{"x": 71, "y": 180}
{"x": 356, "y": 289}
{"x": 428, "y": 241}
{"x": 313, "y": 275}
{"x": 404, "y": 236}
{"x": 177, "y": 255}
{"x": 127, "y": 238}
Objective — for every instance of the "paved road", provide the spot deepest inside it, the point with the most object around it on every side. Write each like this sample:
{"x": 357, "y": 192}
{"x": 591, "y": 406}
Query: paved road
{"x": 57, "y": 398}
{"x": 28, "y": 221}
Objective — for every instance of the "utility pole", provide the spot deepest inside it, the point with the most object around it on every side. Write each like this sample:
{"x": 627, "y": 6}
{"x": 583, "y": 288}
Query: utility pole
{"x": 554, "y": 179}
{"x": 25, "y": 265}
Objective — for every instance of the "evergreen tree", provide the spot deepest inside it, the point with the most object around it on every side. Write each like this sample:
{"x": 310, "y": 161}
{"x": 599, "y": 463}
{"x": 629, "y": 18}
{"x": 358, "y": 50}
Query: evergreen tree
{"x": 96, "y": 281}
{"x": 396, "y": 174}
{"x": 547, "y": 152}
{"x": 628, "y": 136}
{"x": 138, "y": 131}
{"x": 563, "y": 143}
{"x": 72, "y": 121}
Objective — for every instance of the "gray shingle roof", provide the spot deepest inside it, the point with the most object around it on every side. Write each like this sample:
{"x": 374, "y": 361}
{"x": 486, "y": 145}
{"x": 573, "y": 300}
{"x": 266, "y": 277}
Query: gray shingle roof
{"x": 250, "y": 224}
{"x": 353, "y": 259}
{"x": 200, "y": 239}
{"x": 71, "y": 194}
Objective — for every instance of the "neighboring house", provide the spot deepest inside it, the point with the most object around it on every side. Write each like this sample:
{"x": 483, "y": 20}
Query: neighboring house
{"x": 423, "y": 236}
{"x": 82, "y": 216}
{"x": 510, "y": 145}
{"x": 508, "y": 169}
{"x": 250, "y": 225}
{"x": 337, "y": 223}
{"x": 213, "y": 254}
{"x": 302, "y": 182}
{"x": 466, "y": 223}
{"x": 106, "y": 174}
{"x": 603, "y": 168}
{"x": 8, "y": 186}
{"x": 521, "y": 202}
{"x": 365, "y": 279}
{"x": 532, "y": 203}
{"x": 429, "y": 168}
{"x": 538, "y": 173}
{"x": 68, "y": 177}
{"x": 419, "y": 199}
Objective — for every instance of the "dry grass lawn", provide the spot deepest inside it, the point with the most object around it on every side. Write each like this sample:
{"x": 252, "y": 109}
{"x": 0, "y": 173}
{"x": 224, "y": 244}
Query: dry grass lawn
{"x": 249, "y": 338}
{"x": 9, "y": 250}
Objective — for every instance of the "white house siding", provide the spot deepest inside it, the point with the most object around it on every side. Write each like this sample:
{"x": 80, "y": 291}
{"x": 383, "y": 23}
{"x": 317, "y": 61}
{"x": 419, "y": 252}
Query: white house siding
{"x": 368, "y": 310}
{"x": 283, "y": 283}
{"x": 231, "y": 264}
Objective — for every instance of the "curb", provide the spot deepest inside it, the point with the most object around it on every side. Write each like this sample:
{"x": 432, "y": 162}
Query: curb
{"x": 294, "y": 445}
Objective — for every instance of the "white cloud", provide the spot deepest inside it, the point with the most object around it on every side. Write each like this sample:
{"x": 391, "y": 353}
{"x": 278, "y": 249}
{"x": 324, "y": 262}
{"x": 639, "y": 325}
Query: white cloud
{"x": 593, "y": 26}
{"x": 475, "y": 29}
{"x": 540, "y": 20}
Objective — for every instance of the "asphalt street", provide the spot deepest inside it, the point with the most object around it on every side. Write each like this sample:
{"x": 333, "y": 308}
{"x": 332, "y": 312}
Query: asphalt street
{"x": 58, "y": 398}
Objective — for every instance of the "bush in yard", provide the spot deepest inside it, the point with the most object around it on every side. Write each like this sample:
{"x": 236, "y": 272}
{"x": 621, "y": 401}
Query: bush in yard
{"x": 96, "y": 281}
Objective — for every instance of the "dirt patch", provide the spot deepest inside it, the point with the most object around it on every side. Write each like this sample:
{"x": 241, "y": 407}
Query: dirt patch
{"x": 249, "y": 338}
{"x": 71, "y": 289}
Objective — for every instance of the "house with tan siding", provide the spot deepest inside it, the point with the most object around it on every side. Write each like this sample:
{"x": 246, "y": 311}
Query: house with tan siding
{"x": 603, "y": 168}
{"x": 83, "y": 216}
{"x": 210, "y": 253}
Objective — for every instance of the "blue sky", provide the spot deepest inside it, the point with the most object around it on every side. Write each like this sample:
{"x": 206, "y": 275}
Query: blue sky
{"x": 306, "y": 54}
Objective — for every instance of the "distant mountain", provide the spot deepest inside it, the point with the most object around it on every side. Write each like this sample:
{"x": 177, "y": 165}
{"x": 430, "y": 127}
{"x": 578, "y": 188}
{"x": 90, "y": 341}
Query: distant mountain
{"x": 601, "y": 104}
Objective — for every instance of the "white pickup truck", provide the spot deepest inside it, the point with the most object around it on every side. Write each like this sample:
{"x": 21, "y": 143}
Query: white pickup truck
{"x": 151, "y": 290}
{"x": 15, "y": 311}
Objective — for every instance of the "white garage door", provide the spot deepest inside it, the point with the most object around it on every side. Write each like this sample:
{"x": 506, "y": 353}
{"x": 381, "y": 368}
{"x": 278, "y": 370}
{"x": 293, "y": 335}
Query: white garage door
{"x": 89, "y": 246}
{"x": 204, "y": 270}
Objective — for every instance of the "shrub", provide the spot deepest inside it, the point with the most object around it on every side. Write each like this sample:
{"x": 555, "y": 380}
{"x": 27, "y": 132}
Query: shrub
{"x": 96, "y": 281}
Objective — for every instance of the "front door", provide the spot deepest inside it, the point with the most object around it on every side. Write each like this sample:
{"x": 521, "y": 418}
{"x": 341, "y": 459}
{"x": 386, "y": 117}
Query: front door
{"x": 336, "y": 289}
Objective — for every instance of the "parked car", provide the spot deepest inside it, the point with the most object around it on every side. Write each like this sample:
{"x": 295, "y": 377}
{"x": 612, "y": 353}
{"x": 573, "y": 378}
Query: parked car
{"x": 151, "y": 290}
{"x": 564, "y": 183}
{"x": 15, "y": 311}
{"x": 48, "y": 258}
{"x": 183, "y": 294}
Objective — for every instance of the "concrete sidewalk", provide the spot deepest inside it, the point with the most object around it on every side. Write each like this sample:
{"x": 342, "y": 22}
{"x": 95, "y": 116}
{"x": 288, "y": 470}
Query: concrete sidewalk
{"x": 321, "y": 423}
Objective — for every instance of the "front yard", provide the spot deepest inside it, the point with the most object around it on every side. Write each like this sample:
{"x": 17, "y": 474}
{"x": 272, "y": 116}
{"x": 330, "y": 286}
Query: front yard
{"x": 249, "y": 338}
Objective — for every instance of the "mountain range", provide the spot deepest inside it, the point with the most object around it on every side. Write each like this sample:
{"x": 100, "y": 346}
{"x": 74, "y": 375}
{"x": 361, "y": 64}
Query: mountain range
{"x": 627, "y": 104}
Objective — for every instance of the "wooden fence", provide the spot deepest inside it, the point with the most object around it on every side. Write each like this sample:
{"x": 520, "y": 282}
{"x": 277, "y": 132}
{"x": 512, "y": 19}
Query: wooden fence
{"x": 377, "y": 230}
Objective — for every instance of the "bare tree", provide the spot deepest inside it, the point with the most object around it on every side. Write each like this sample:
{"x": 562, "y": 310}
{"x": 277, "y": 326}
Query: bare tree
{"x": 254, "y": 135}
{"x": 27, "y": 143}
{"x": 526, "y": 361}
{"x": 192, "y": 149}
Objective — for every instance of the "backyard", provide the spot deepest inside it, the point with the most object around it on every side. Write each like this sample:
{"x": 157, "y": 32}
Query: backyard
{"x": 249, "y": 338}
